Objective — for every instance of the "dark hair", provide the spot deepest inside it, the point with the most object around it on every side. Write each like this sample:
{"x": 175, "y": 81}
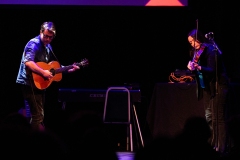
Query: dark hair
{"x": 197, "y": 36}
{"x": 49, "y": 26}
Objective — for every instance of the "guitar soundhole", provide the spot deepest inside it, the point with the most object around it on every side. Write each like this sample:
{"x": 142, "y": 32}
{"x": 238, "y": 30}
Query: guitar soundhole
{"x": 52, "y": 71}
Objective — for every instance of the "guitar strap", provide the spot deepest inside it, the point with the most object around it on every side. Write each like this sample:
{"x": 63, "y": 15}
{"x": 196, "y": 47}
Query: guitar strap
{"x": 50, "y": 49}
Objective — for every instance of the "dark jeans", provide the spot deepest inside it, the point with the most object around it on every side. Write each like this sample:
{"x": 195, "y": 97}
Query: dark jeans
{"x": 35, "y": 99}
{"x": 215, "y": 108}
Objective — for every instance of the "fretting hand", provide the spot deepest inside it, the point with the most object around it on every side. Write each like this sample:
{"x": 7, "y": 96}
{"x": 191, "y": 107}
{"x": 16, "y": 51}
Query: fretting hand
{"x": 75, "y": 67}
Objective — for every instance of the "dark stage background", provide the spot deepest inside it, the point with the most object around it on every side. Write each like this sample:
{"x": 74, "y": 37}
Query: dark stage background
{"x": 124, "y": 44}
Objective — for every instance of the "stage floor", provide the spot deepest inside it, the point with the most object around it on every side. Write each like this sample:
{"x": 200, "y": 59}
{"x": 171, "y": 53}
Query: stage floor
{"x": 126, "y": 155}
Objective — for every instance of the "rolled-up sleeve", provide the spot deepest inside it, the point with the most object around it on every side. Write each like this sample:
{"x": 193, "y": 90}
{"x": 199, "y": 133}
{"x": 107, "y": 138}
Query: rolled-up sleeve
{"x": 30, "y": 52}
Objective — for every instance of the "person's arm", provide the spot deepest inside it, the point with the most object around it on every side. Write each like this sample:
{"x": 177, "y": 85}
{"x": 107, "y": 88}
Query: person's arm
{"x": 36, "y": 69}
{"x": 30, "y": 52}
{"x": 211, "y": 62}
{"x": 75, "y": 67}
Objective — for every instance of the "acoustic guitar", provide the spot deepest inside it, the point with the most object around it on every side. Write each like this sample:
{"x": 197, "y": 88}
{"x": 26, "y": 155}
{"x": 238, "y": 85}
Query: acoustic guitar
{"x": 55, "y": 68}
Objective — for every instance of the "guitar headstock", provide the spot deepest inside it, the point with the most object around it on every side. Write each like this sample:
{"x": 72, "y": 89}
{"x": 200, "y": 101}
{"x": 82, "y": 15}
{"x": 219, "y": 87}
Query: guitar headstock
{"x": 84, "y": 62}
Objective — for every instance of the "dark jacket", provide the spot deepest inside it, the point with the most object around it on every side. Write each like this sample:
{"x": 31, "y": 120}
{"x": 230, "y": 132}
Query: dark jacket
{"x": 211, "y": 62}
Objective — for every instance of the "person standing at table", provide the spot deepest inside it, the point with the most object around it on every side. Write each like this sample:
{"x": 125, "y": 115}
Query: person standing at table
{"x": 212, "y": 85}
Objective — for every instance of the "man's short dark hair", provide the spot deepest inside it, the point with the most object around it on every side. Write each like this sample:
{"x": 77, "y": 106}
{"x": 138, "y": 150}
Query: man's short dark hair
{"x": 48, "y": 26}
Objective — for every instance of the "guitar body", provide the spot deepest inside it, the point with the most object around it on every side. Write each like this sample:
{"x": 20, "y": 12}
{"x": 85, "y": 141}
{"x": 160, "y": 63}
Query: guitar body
{"x": 42, "y": 83}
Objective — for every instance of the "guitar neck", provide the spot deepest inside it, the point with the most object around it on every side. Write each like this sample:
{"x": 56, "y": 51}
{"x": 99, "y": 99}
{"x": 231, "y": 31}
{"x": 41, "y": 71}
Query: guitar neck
{"x": 62, "y": 69}
{"x": 65, "y": 68}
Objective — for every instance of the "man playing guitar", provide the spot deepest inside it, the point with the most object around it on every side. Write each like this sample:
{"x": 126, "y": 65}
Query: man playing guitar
{"x": 37, "y": 50}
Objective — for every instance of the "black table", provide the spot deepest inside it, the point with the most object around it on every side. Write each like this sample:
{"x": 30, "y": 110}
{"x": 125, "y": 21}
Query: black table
{"x": 173, "y": 103}
{"x": 170, "y": 106}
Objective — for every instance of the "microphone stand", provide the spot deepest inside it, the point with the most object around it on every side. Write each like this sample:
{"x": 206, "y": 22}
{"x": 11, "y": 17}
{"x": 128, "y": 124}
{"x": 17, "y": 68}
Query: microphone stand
{"x": 217, "y": 50}
{"x": 215, "y": 46}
